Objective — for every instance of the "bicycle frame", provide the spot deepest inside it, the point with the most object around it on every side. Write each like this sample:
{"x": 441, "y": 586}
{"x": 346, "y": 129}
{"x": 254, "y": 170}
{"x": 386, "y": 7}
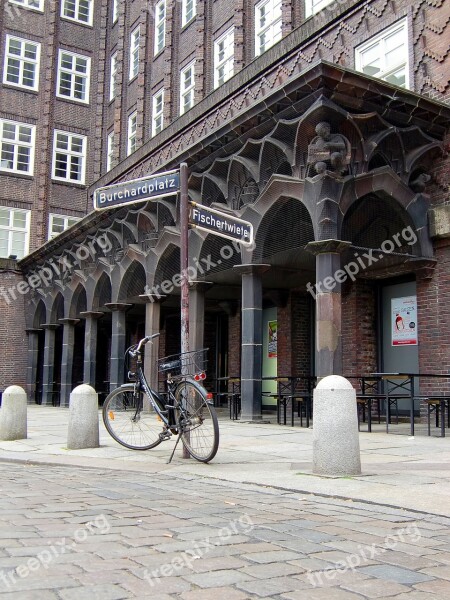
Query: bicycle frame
{"x": 142, "y": 384}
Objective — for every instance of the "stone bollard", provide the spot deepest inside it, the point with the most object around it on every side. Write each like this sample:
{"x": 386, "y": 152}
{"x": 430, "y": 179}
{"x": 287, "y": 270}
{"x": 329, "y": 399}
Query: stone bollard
{"x": 13, "y": 414}
{"x": 83, "y": 419}
{"x": 335, "y": 430}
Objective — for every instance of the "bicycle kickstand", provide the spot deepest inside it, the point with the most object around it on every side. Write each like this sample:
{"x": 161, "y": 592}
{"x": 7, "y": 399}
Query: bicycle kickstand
{"x": 174, "y": 448}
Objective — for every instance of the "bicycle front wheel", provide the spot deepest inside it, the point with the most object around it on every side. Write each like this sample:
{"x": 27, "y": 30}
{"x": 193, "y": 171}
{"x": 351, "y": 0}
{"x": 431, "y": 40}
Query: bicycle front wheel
{"x": 130, "y": 419}
{"x": 197, "y": 421}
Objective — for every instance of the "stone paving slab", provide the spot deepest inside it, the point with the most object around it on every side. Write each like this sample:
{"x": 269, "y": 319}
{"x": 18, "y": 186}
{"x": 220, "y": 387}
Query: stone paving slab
{"x": 106, "y": 557}
{"x": 397, "y": 470}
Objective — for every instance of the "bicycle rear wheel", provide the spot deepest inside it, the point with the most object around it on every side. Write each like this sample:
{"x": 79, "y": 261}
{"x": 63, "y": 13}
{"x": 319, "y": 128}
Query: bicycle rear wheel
{"x": 131, "y": 420}
{"x": 197, "y": 421}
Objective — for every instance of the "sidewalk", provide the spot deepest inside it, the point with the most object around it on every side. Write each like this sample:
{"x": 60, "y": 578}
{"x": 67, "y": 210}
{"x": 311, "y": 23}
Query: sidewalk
{"x": 399, "y": 471}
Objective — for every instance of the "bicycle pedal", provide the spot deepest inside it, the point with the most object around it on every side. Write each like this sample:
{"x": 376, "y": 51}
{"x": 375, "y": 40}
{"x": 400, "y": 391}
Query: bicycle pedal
{"x": 166, "y": 435}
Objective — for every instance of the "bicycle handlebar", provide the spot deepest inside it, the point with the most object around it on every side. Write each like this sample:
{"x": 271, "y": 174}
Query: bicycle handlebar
{"x": 144, "y": 341}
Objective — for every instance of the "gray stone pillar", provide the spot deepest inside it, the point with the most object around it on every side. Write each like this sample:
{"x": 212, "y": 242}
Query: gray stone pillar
{"x": 197, "y": 291}
{"x": 90, "y": 346}
{"x": 251, "y": 358}
{"x": 329, "y": 278}
{"x": 32, "y": 366}
{"x": 67, "y": 359}
{"x": 118, "y": 341}
{"x": 49, "y": 363}
{"x": 152, "y": 326}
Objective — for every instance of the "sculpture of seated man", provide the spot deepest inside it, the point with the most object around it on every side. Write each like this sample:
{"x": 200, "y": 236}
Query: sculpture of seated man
{"x": 328, "y": 149}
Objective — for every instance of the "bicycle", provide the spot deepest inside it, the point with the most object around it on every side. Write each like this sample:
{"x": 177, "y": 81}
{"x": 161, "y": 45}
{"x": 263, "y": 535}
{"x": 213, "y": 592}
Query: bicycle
{"x": 140, "y": 418}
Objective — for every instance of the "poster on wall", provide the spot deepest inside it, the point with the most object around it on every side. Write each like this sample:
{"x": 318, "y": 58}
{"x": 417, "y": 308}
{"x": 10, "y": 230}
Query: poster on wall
{"x": 272, "y": 340}
{"x": 404, "y": 321}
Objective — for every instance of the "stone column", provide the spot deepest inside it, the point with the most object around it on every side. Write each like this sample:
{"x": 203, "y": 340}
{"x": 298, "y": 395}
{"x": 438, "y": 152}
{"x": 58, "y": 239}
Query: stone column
{"x": 49, "y": 366}
{"x": 90, "y": 346}
{"x": 118, "y": 341}
{"x": 152, "y": 326}
{"x": 327, "y": 292}
{"x": 67, "y": 359}
{"x": 33, "y": 353}
{"x": 251, "y": 358}
{"x": 197, "y": 291}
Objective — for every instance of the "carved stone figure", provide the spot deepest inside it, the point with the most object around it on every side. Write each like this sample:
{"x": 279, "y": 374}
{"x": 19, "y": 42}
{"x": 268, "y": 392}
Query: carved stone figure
{"x": 419, "y": 184}
{"x": 328, "y": 150}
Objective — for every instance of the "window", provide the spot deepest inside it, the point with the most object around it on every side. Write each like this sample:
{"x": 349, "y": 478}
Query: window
{"x": 188, "y": 11}
{"x": 21, "y": 63}
{"x": 69, "y": 157}
{"x": 224, "y": 58}
{"x": 14, "y": 232}
{"x": 112, "y": 77}
{"x": 16, "y": 147}
{"x": 73, "y": 76}
{"x": 132, "y": 126}
{"x": 134, "y": 53}
{"x": 158, "y": 112}
{"x": 59, "y": 223}
{"x": 160, "y": 26}
{"x": 77, "y": 10}
{"x": 110, "y": 151}
{"x": 115, "y": 10}
{"x": 187, "y": 88}
{"x": 314, "y": 6}
{"x": 268, "y": 20}
{"x": 386, "y": 55}
{"x": 33, "y": 4}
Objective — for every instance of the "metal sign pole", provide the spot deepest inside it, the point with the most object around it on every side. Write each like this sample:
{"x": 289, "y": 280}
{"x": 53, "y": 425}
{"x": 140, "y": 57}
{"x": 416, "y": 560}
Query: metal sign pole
{"x": 184, "y": 263}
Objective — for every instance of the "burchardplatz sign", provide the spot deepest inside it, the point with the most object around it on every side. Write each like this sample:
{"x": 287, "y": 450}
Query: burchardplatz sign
{"x": 140, "y": 190}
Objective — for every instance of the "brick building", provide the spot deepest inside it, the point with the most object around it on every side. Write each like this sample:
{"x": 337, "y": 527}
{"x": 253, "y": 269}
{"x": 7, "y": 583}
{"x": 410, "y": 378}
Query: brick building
{"x": 325, "y": 124}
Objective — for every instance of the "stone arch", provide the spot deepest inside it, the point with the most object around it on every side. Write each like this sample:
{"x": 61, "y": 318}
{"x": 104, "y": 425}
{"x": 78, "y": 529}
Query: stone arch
{"x": 168, "y": 265}
{"x": 274, "y": 160}
{"x": 242, "y": 187}
{"x": 133, "y": 283}
{"x": 287, "y": 226}
{"x": 78, "y": 302}
{"x": 40, "y": 315}
{"x": 217, "y": 254}
{"x": 57, "y": 308}
{"x": 103, "y": 292}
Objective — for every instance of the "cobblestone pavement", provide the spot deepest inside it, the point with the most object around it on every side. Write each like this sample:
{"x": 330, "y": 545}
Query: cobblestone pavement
{"x": 71, "y": 533}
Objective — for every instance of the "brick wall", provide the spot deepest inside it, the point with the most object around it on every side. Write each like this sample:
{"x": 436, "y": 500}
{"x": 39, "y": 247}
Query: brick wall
{"x": 359, "y": 332}
{"x": 14, "y": 342}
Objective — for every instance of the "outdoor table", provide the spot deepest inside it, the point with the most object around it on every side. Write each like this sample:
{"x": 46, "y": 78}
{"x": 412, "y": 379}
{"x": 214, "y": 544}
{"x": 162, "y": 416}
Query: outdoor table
{"x": 406, "y": 383}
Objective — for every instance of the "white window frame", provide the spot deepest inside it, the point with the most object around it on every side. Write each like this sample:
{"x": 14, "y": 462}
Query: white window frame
{"x": 187, "y": 90}
{"x": 26, "y": 4}
{"x": 135, "y": 41}
{"x": 110, "y": 151}
{"x": 113, "y": 76}
{"x": 76, "y": 18}
{"x": 158, "y": 112}
{"x": 273, "y": 27}
{"x": 74, "y": 74}
{"x": 132, "y": 133}
{"x": 115, "y": 11}
{"x": 312, "y": 7}
{"x": 380, "y": 39}
{"x": 66, "y": 225}
{"x": 11, "y": 229}
{"x": 160, "y": 26}
{"x": 185, "y": 5}
{"x": 227, "y": 59}
{"x": 22, "y": 59}
{"x": 17, "y": 143}
{"x": 69, "y": 153}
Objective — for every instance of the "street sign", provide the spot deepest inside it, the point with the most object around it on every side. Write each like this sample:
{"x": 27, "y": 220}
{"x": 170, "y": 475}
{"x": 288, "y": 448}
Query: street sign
{"x": 139, "y": 190}
{"x": 221, "y": 223}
